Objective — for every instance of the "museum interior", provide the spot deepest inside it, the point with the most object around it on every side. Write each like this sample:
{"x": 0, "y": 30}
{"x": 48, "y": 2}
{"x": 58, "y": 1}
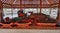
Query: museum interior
{"x": 30, "y": 14}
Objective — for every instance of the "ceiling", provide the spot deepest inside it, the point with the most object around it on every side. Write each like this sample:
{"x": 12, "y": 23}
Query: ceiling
{"x": 29, "y": 3}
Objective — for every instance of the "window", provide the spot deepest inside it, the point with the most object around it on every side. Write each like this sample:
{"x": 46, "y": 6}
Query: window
{"x": 34, "y": 10}
{"x": 52, "y": 12}
{"x": 45, "y": 11}
{"x": 11, "y": 13}
{"x": 7, "y": 12}
{"x": 14, "y": 12}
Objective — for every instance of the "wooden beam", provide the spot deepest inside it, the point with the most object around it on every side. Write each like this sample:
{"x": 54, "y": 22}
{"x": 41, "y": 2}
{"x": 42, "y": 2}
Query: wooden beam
{"x": 26, "y": 7}
{"x": 0, "y": 4}
{"x": 50, "y": 1}
{"x": 40, "y": 5}
{"x": 14, "y": 1}
{"x": 29, "y": 6}
{"x": 47, "y": 1}
{"x": 21, "y": 4}
{"x": 58, "y": 19}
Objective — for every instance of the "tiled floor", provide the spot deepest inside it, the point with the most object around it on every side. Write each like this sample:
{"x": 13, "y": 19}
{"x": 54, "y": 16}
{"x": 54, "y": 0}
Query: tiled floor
{"x": 28, "y": 31}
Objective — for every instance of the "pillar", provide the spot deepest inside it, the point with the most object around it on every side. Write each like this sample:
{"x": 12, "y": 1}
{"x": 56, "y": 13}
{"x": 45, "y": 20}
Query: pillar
{"x": 1, "y": 10}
